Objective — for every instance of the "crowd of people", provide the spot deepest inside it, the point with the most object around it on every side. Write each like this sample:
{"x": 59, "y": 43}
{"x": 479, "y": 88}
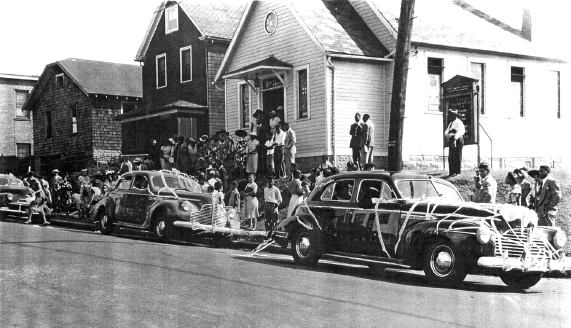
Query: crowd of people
{"x": 542, "y": 195}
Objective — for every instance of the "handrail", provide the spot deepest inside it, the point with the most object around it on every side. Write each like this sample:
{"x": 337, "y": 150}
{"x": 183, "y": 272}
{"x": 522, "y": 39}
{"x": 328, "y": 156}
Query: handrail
{"x": 491, "y": 147}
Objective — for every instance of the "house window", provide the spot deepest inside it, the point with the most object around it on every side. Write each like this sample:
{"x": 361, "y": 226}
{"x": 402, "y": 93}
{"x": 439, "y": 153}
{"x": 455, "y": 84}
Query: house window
{"x": 161, "y": 71}
{"x": 21, "y": 97}
{"x": 185, "y": 64}
{"x": 434, "y": 66}
{"x": 302, "y": 93}
{"x": 171, "y": 21}
{"x": 23, "y": 150}
{"x": 59, "y": 81}
{"x": 477, "y": 71}
{"x": 127, "y": 107}
{"x": 244, "y": 105}
{"x": 74, "y": 119}
{"x": 517, "y": 76}
{"x": 48, "y": 124}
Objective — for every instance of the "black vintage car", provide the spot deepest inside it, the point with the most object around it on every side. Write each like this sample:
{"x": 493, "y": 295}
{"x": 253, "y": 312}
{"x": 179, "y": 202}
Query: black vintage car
{"x": 406, "y": 220}
{"x": 15, "y": 197}
{"x": 151, "y": 201}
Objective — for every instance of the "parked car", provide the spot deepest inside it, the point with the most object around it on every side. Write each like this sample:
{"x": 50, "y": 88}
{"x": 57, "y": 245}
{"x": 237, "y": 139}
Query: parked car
{"x": 153, "y": 201}
{"x": 15, "y": 197}
{"x": 405, "y": 220}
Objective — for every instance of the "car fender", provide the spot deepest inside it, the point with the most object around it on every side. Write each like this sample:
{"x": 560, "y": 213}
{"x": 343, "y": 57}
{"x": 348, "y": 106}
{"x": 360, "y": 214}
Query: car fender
{"x": 107, "y": 204}
{"x": 296, "y": 222}
{"x": 461, "y": 233}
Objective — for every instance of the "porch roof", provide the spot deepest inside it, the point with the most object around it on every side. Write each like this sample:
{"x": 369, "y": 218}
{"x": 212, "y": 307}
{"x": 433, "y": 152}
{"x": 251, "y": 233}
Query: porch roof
{"x": 177, "y": 107}
{"x": 266, "y": 66}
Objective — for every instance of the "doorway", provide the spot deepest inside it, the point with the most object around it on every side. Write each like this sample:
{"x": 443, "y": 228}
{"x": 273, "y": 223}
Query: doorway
{"x": 272, "y": 99}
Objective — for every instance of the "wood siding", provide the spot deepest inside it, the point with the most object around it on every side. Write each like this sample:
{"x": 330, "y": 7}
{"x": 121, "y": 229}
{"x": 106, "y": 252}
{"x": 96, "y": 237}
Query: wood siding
{"x": 290, "y": 43}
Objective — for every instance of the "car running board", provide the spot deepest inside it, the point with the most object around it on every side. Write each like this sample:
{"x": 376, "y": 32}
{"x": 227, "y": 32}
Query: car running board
{"x": 364, "y": 260}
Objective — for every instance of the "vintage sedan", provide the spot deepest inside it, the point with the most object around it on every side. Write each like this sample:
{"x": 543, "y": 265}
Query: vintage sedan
{"x": 158, "y": 201}
{"x": 15, "y": 197}
{"x": 406, "y": 220}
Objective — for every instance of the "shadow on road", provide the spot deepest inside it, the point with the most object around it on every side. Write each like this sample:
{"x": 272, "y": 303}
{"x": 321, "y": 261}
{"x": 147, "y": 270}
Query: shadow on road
{"x": 393, "y": 276}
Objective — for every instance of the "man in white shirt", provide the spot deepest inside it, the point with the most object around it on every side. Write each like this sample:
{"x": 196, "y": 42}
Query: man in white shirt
{"x": 272, "y": 199}
{"x": 279, "y": 142}
{"x": 369, "y": 143}
{"x": 455, "y": 135}
{"x": 289, "y": 148}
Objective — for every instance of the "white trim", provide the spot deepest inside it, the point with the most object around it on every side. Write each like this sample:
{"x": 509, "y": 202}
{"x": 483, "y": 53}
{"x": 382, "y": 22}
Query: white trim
{"x": 180, "y": 58}
{"x": 357, "y": 57}
{"x": 234, "y": 75}
{"x": 383, "y": 20}
{"x": 18, "y": 77}
{"x": 169, "y": 11}
{"x": 157, "y": 70}
{"x": 296, "y": 92}
{"x": 484, "y": 77}
{"x": 242, "y": 125}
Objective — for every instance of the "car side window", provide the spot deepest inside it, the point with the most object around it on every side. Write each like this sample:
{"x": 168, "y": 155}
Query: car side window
{"x": 368, "y": 190}
{"x": 125, "y": 182}
{"x": 387, "y": 193}
{"x": 339, "y": 191}
{"x": 140, "y": 182}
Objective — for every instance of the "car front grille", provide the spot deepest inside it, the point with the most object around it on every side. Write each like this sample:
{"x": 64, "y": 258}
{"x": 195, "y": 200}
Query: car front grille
{"x": 514, "y": 242}
{"x": 204, "y": 216}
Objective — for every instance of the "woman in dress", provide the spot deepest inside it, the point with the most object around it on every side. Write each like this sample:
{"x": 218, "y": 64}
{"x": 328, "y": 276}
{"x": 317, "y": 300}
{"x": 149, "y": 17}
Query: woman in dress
{"x": 252, "y": 152}
{"x": 192, "y": 154}
{"x": 218, "y": 204}
{"x": 182, "y": 158}
{"x": 251, "y": 201}
{"x": 514, "y": 193}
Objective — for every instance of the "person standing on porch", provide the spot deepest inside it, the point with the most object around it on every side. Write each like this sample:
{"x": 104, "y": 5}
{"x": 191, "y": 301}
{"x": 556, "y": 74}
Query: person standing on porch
{"x": 455, "y": 134}
{"x": 279, "y": 142}
{"x": 369, "y": 144}
{"x": 289, "y": 148}
{"x": 252, "y": 153}
{"x": 357, "y": 140}
{"x": 274, "y": 119}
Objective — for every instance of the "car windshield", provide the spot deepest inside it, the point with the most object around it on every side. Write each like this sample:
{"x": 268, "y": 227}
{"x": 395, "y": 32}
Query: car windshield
{"x": 419, "y": 189}
{"x": 10, "y": 182}
{"x": 177, "y": 182}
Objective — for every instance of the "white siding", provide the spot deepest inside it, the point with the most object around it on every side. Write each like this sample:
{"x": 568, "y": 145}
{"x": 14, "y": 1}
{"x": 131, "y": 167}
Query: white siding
{"x": 360, "y": 87}
{"x": 290, "y": 43}
{"x": 511, "y": 137}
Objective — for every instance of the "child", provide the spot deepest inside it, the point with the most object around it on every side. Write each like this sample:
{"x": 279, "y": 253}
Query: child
{"x": 272, "y": 198}
{"x": 234, "y": 196}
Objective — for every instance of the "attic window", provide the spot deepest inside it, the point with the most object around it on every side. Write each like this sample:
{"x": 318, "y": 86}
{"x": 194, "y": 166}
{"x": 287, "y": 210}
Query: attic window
{"x": 171, "y": 19}
{"x": 59, "y": 81}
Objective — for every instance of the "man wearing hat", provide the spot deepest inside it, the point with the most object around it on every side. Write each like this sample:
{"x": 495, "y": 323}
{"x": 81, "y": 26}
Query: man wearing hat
{"x": 455, "y": 135}
{"x": 486, "y": 185}
{"x": 547, "y": 198}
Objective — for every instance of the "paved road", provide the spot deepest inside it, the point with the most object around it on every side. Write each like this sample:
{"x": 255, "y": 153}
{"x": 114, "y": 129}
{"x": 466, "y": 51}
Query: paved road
{"x": 59, "y": 277}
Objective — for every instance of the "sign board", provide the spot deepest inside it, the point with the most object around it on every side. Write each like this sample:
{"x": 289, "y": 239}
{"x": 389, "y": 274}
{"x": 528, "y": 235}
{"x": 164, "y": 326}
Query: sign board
{"x": 460, "y": 93}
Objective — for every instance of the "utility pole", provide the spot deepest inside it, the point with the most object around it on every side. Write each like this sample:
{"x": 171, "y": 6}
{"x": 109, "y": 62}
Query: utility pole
{"x": 399, "y": 85}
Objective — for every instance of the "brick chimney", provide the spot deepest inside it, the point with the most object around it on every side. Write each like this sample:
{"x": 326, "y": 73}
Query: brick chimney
{"x": 526, "y": 24}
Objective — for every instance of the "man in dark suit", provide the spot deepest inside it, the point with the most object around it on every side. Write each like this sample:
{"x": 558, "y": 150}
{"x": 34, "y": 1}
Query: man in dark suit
{"x": 547, "y": 202}
{"x": 358, "y": 139}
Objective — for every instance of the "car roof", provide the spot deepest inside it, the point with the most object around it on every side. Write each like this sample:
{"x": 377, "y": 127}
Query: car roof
{"x": 394, "y": 175}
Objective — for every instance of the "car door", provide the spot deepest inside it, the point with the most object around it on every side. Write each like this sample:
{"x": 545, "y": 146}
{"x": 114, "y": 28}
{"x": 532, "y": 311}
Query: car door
{"x": 137, "y": 200}
{"x": 364, "y": 226}
{"x": 332, "y": 209}
{"x": 118, "y": 195}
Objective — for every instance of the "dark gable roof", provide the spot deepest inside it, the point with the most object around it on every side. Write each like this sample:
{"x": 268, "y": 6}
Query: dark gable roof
{"x": 339, "y": 28}
{"x": 215, "y": 19}
{"x": 455, "y": 23}
{"x": 96, "y": 77}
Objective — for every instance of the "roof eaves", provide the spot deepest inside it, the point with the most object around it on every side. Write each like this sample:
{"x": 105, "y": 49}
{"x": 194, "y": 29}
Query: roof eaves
{"x": 150, "y": 32}
{"x": 232, "y": 46}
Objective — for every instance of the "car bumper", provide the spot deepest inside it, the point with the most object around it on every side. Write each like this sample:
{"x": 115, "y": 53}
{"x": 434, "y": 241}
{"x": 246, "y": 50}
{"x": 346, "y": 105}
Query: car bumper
{"x": 525, "y": 265}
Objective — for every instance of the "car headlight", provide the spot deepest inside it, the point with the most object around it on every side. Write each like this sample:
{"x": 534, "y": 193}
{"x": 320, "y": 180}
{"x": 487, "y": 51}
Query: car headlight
{"x": 560, "y": 239}
{"x": 232, "y": 213}
{"x": 484, "y": 235}
{"x": 186, "y": 206}
{"x": 10, "y": 197}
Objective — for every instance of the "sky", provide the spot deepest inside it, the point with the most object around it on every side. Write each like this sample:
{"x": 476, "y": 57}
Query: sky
{"x": 35, "y": 33}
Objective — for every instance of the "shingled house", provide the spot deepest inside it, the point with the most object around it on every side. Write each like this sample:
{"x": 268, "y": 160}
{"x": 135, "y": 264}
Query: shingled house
{"x": 181, "y": 51}
{"x": 15, "y": 123}
{"x": 323, "y": 61}
{"x": 74, "y": 105}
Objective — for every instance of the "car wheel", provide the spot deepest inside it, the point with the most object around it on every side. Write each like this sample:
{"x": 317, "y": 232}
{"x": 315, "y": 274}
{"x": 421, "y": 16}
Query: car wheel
{"x": 443, "y": 265}
{"x": 306, "y": 247}
{"x": 161, "y": 229}
{"x": 104, "y": 223}
{"x": 520, "y": 280}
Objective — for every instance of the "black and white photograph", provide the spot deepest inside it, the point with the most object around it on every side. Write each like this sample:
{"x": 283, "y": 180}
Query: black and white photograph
{"x": 274, "y": 163}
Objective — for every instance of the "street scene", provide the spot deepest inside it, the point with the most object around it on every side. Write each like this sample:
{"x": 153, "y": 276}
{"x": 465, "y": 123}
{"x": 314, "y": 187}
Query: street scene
{"x": 287, "y": 163}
